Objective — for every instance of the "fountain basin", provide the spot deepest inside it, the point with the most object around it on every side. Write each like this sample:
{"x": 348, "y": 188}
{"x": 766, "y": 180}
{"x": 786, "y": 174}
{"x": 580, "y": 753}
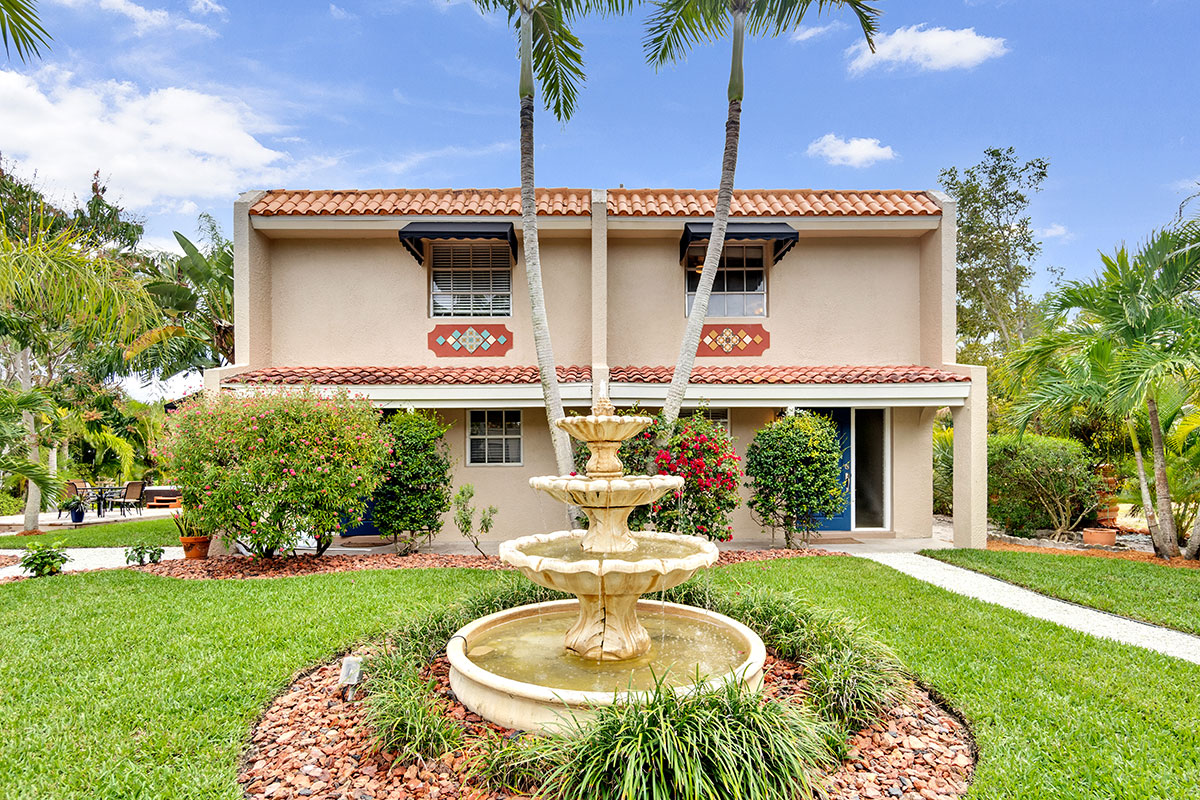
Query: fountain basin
{"x": 529, "y": 695}
{"x": 608, "y": 502}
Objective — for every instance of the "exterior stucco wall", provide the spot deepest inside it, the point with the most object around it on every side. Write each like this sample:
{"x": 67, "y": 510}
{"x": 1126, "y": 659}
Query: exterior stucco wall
{"x": 829, "y": 301}
{"x": 912, "y": 472}
{"x": 365, "y": 301}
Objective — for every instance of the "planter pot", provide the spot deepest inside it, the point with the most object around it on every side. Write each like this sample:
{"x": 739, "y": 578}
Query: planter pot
{"x": 77, "y": 516}
{"x": 1101, "y": 536}
{"x": 195, "y": 546}
{"x": 1107, "y": 514}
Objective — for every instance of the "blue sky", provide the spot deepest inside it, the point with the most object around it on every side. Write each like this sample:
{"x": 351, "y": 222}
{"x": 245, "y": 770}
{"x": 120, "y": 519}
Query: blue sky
{"x": 183, "y": 103}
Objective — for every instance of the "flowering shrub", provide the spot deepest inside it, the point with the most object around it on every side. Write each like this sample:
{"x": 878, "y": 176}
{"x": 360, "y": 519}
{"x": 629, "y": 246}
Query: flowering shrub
{"x": 268, "y": 469}
{"x": 410, "y": 503}
{"x": 795, "y": 470}
{"x": 702, "y": 452}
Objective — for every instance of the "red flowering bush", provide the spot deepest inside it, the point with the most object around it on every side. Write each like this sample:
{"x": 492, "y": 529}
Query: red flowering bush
{"x": 700, "y": 451}
{"x": 269, "y": 469}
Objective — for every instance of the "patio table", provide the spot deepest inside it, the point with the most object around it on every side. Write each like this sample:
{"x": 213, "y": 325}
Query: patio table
{"x": 102, "y": 494}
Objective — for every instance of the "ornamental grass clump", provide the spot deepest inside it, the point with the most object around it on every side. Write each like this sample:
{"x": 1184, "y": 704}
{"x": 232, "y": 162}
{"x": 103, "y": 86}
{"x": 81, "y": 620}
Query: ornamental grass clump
{"x": 795, "y": 471}
{"x": 711, "y": 745}
{"x": 407, "y": 717}
{"x": 270, "y": 469}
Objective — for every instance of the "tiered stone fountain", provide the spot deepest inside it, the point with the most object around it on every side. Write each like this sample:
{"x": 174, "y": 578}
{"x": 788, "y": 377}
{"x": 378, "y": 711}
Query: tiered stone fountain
{"x": 537, "y": 667}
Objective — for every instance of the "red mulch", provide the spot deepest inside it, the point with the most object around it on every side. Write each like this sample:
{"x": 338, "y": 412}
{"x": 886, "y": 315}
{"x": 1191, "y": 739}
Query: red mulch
{"x": 312, "y": 743}
{"x": 8, "y": 561}
{"x": 236, "y": 567}
{"x": 1126, "y": 555}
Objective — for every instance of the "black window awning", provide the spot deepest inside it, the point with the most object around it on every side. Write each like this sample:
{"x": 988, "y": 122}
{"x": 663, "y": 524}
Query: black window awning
{"x": 782, "y": 235}
{"x": 414, "y": 234}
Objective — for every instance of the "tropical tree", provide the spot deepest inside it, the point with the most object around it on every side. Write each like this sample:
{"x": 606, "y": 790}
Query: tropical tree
{"x": 15, "y": 405}
{"x": 549, "y": 49}
{"x": 20, "y": 27}
{"x": 1134, "y": 341}
{"x": 674, "y": 27}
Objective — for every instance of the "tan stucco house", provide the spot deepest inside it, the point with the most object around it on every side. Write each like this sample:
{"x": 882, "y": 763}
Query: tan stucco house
{"x": 840, "y": 301}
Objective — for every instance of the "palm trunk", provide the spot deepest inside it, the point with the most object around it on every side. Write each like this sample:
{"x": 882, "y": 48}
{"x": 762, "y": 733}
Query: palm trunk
{"x": 1192, "y": 551}
{"x": 1144, "y": 485}
{"x": 52, "y": 459}
{"x": 533, "y": 262}
{"x": 716, "y": 241}
{"x": 33, "y": 495}
{"x": 1162, "y": 488}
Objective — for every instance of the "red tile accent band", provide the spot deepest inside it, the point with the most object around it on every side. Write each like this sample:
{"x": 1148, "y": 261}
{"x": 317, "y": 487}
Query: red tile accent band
{"x": 471, "y": 340}
{"x": 733, "y": 340}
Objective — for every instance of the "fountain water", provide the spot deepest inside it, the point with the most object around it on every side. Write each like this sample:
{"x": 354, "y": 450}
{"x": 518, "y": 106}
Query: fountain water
{"x": 526, "y": 667}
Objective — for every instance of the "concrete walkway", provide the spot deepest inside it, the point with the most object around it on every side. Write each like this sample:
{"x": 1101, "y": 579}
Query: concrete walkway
{"x": 990, "y": 590}
{"x": 84, "y": 558}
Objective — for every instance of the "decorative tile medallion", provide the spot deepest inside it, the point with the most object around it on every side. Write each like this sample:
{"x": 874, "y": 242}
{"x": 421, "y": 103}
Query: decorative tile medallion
{"x": 470, "y": 340}
{"x": 733, "y": 340}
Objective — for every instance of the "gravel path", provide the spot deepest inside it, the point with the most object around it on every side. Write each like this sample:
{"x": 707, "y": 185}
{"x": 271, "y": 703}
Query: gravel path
{"x": 990, "y": 590}
{"x": 84, "y": 558}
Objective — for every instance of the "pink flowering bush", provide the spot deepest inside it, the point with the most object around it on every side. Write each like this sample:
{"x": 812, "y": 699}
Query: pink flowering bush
{"x": 268, "y": 469}
{"x": 702, "y": 452}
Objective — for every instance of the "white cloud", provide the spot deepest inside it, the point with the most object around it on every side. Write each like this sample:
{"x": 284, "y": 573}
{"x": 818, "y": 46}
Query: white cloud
{"x": 850, "y": 152}
{"x": 165, "y": 148}
{"x": 145, "y": 19}
{"x": 1056, "y": 230}
{"x": 926, "y": 48}
{"x": 206, "y": 7}
{"x": 412, "y": 161}
{"x": 337, "y": 12}
{"x": 806, "y": 32}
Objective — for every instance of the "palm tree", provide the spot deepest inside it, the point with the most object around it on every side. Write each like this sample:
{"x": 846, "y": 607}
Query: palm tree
{"x": 14, "y": 405}
{"x": 50, "y": 281}
{"x": 674, "y": 27}
{"x": 1134, "y": 340}
{"x": 549, "y": 49}
{"x": 19, "y": 23}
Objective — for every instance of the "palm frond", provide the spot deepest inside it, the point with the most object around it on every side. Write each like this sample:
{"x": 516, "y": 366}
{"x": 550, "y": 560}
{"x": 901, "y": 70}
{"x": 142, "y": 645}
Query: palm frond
{"x": 675, "y": 26}
{"x": 21, "y": 28}
{"x": 557, "y": 58}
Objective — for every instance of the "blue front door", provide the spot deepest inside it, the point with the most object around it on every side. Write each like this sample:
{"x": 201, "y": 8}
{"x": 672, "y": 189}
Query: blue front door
{"x": 841, "y": 418}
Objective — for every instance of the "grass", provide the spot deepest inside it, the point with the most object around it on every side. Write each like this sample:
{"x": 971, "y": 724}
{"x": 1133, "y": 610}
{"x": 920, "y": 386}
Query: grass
{"x": 161, "y": 532}
{"x": 121, "y": 684}
{"x": 1140, "y": 590}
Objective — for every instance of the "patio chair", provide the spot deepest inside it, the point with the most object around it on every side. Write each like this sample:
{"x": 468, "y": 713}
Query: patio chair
{"x": 131, "y": 498}
{"x": 70, "y": 489}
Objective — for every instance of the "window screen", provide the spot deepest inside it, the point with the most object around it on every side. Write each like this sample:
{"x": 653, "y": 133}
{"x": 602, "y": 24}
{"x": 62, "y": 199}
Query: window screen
{"x": 470, "y": 279}
{"x": 494, "y": 437}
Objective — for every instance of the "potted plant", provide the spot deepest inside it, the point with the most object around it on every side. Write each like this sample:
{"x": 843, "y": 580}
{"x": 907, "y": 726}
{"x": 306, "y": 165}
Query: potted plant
{"x": 1101, "y": 536}
{"x": 194, "y": 540}
{"x": 76, "y": 506}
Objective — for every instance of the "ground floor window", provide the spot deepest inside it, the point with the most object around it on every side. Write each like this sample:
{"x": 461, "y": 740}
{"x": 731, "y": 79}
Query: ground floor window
{"x": 718, "y": 416}
{"x": 494, "y": 436}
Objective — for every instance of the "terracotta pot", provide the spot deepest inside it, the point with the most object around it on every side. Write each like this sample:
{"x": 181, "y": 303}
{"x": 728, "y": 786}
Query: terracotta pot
{"x": 1103, "y": 536}
{"x": 195, "y": 546}
{"x": 1107, "y": 513}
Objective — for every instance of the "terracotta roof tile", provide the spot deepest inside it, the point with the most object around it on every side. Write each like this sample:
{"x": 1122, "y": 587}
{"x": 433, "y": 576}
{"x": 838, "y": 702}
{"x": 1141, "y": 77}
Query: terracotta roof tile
{"x": 774, "y": 203}
{"x": 377, "y": 376}
{"x": 469, "y": 202}
{"x": 576, "y": 202}
{"x": 772, "y": 374}
{"x": 458, "y": 376}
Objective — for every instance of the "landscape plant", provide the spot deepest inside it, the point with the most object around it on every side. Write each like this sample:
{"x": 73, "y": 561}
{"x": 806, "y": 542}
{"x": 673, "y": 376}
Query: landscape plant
{"x": 1040, "y": 482}
{"x": 943, "y": 470}
{"x": 405, "y": 714}
{"x": 464, "y": 516}
{"x": 410, "y": 504}
{"x": 271, "y": 468}
{"x": 142, "y": 553}
{"x": 795, "y": 471}
{"x": 674, "y": 27}
{"x": 41, "y": 559}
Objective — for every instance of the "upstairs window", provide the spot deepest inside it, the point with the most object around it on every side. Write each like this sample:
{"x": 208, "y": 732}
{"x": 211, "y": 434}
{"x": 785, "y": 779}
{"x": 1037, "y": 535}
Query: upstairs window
{"x": 494, "y": 437}
{"x": 470, "y": 279}
{"x": 740, "y": 287}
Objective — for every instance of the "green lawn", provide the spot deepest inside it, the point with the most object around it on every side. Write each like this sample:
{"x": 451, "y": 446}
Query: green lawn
{"x": 121, "y": 684}
{"x": 1153, "y": 593}
{"x": 117, "y": 534}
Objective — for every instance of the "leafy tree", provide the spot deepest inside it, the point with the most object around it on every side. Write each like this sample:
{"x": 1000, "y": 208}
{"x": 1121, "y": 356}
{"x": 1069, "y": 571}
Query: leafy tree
{"x": 410, "y": 503}
{"x": 20, "y": 26}
{"x": 1133, "y": 342}
{"x": 549, "y": 49}
{"x": 996, "y": 250}
{"x": 14, "y": 405}
{"x": 795, "y": 471}
{"x": 674, "y": 27}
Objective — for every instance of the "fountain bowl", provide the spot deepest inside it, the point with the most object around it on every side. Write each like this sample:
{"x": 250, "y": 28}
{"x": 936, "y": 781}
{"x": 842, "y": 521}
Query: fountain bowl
{"x": 537, "y": 708}
{"x": 604, "y": 427}
{"x": 628, "y": 491}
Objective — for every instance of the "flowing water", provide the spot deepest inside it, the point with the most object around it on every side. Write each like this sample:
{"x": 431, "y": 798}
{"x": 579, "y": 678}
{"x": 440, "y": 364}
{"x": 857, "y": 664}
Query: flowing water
{"x": 569, "y": 549}
{"x": 531, "y": 650}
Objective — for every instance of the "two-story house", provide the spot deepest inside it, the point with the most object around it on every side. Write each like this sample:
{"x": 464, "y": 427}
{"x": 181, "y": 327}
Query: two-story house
{"x": 839, "y": 301}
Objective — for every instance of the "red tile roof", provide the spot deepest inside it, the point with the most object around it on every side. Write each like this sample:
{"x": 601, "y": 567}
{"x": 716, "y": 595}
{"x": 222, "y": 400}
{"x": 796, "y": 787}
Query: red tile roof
{"x": 459, "y": 376}
{"x": 471, "y": 202}
{"x": 771, "y": 203}
{"x": 576, "y": 202}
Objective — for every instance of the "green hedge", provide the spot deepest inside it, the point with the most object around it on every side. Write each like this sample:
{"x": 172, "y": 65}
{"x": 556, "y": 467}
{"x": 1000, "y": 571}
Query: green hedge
{"x": 1040, "y": 482}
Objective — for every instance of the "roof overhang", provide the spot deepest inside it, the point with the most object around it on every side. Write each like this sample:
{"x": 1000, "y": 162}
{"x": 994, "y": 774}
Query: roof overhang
{"x": 415, "y": 234}
{"x": 780, "y": 234}
{"x": 528, "y": 395}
